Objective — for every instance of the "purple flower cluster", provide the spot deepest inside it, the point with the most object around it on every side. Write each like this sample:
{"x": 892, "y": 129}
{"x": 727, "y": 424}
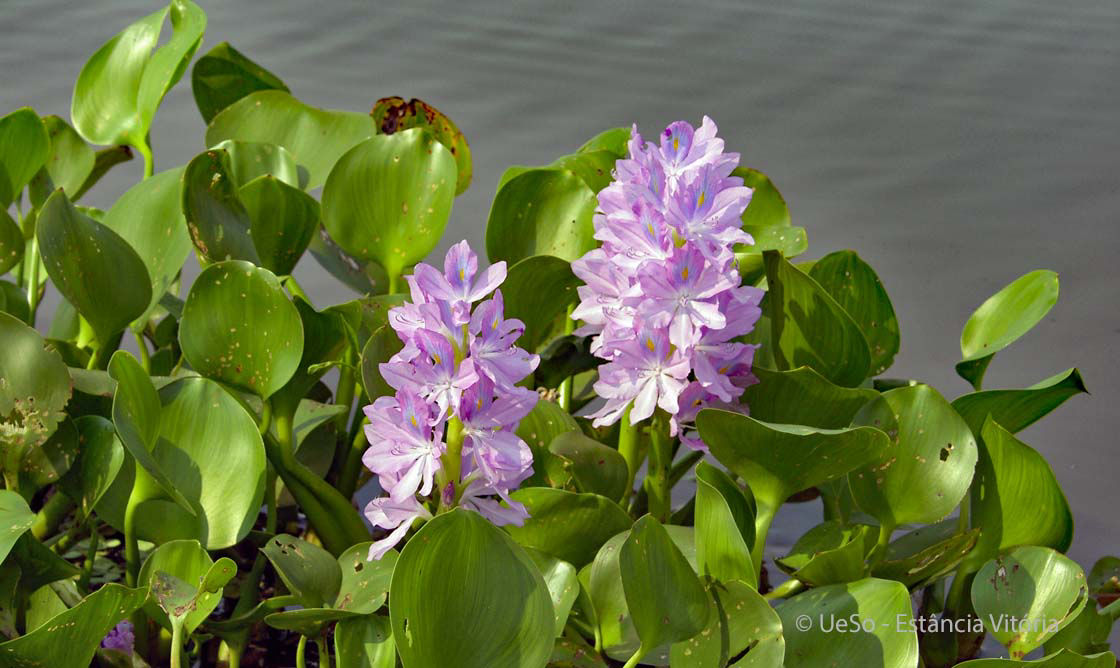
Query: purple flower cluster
{"x": 120, "y": 638}
{"x": 663, "y": 293}
{"x": 455, "y": 382}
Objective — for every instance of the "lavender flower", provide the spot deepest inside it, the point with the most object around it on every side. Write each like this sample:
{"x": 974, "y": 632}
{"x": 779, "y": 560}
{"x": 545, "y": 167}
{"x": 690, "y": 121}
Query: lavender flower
{"x": 120, "y": 638}
{"x": 448, "y": 435}
{"x": 662, "y": 294}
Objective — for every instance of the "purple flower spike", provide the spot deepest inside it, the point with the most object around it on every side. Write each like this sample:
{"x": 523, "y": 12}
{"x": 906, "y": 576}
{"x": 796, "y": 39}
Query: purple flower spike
{"x": 662, "y": 294}
{"x": 456, "y": 381}
{"x": 120, "y": 638}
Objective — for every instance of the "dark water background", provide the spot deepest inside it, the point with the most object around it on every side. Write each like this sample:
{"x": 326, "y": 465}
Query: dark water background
{"x": 955, "y": 145}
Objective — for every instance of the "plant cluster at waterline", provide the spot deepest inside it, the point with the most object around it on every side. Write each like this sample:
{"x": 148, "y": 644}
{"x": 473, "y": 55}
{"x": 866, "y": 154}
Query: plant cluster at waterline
{"x": 579, "y": 444}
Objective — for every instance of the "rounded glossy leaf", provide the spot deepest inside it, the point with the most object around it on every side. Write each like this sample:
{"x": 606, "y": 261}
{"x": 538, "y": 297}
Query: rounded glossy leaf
{"x": 613, "y": 141}
{"x": 150, "y": 218}
{"x": 808, "y": 327}
{"x": 856, "y": 287}
{"x": 562, "y": 582}
{"x": 724, "y": 527}
{"x": 249, "y": 160}
{"x": 803, "y": 396}
{"x": 15, "y": 518}
{"x": 11, "y": 243}
{"x": 98, "y": 463}
{"x": 212, "y": 452}
{"x": 316, "y": 138}
{"x": 365, "y": 583}
{"x": 830, "y": 553}
{"x": 311, "y": 622}
{"x": 1063, "y": 659}
{"x": 1003, "y": 318}
{"x": 877, "y": 634}
{"x": 393, "y": 114}
{"x": 777, "y": 460}
{"x": 35, "y": 389}
{"x": 752, "y": 629}
{"x": 92, "y": 266}
{"x": 26, "y": 149}
{"x": 926, "y": 553}
{"x": 567, "y": 525}
{"x": 666, "y": 600}
{"x": 283, "y": 220}
{"x": 216, "y": 219}
{"x": 229, "y": 306}
{"x": 223, "y": 76}
{"x": 537, "y": 291}
{"x": 389, "y": 198}
{"x": 122, "y": 84}
{"x": 767, "y": 220}
{"x": 541, "y": 212}
{"x": 1016, "y": 499}
{"x": 464, "y": 594}
{"x": 72, "y": 637}
{"x": 595, "y": 468}
{"x": 188, "y": 564}
{"x": 1016, "y": 410}
{"x": 308, "y": 571}
{"x": 1041, "y": 589}
{"x": 365, "y": 642}
{"x": 538, "y": 429}
{"x": 929, "y": 465}
{"x": 71, "y": 160}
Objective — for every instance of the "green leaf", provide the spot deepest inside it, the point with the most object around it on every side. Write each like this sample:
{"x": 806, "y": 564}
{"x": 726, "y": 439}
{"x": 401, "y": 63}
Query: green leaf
{"x": 537, "y": 291}
{"x": 464, "y": 594}
{"x": 1063, "y": 659}
{"x": 316, "y": 138}
{"x": 887, "y": 641}
{"x": 122, "y": 84}
{"x": 778, "y": 460}
{"x": 541, "y": 212}
{"x": 103, "y": 161}
{"x": 365, "y": 642}
{"x": 93, "y": 267}
{"x": 218, "y": 222}
{"x": 724, "y": 527}
{"x": 389, "y": 198}
{"x": 283, "y": 220}
{"x": 751, "y": 627}
{"x": 150, "y": 218}
{"x": 228, "y": 307}
{"x": 98, "y": 463}
{"x": 1016, "y": 500}
{"x": 595, "y": 468}
{"x": 929, "y": 465}
{"x": 666, "y": 600}
{"x": 538, "y": 429}
{"x": 72, "y": 638}
{"x": 26, "y": 149}
{"x": 856, "y": 287}
{"x": 311, "y": 622}
{"x": 11, "y": 244}
{"x": 365, "y": 583}
{"x": 830, "y": 553}
{"x": 179, "y": 599}
{"x": 223, "y": 76}
{"x": 766, "y": 219}
{"x": 15, "y": 518}
{"x": 567, "y": 525}
{"x": 250, "y": 159}
{"x": 71, "y": 160}
{"x": 393, "y": 114}
{"x": 1003, "y": 318}
{"x": 803, "y": 396}
{"x": 1037, "y": 586}
{"x": 808, "y": 327}
{"x": 308, "y": 571}
{"x": 1016, "y": 410}
{"x": 47, "y": 463}
{"x": 366, "y": 277}
{"x": 613, "y": 141}
{"x": 34, "y": 391}
{"x": 925, "y": 554}
{"x": 212, "y": 452}
{"x": 563, "y": 585}
{"x": 1086, "y": 634}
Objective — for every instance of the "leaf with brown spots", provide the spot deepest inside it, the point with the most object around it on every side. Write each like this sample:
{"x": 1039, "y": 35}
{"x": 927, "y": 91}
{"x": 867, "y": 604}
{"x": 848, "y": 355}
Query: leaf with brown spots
{"x": 393, "y": 114}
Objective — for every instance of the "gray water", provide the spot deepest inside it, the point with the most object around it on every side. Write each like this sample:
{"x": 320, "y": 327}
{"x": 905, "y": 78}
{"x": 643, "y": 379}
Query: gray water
{"x": 956, "y": 145}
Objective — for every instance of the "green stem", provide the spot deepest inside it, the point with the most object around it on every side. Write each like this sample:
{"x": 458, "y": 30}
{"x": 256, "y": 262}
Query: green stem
{"x": 91, "y": 556}
{"x": 301, "y": 651}
{"x": 566, "y": 384}
{"x": 785, "y": 590}
{"x": 33, "y": 280}
{"x": 628, "y": 448}
{"x": 145, "y": 358}
{"x": 105, "y": 349}
{"x": 295, "y": 289}
{"x": 176, "y": 646}
{"x": 638, "y": 654}
{"x": 132, "y": 559}
{"x": 682, "y": 467}
{"x": 352, "y": 466}
{"x": 324, "y": 653}
{"x": 452, "y": 460}
{"x": 657, "y": 484}
{"x": 394, "y": 281}
{"x": 762, "y": 523}
{"x": 51, "y": 515}
{"x": 149, "y": 163}
{"x": 234, "y": 660}
{"x": 1112, "y": 610}
{"x": 880, "y": 550}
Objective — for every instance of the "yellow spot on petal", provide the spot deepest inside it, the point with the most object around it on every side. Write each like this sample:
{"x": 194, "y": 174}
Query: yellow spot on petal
{"x": 413, "y": 418}
{"x": 676, "y": 143}
{"x": 684, "y": 274}
{"x": 462, "y": 275}
{"x": 436, "y": 359}
{"x": 700, "y": 198}
{"x": 649, "y": 344}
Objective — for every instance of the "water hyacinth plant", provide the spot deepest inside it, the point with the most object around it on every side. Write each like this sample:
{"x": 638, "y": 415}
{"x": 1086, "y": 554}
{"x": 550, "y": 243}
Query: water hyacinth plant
{"x": 570, "y": 457}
